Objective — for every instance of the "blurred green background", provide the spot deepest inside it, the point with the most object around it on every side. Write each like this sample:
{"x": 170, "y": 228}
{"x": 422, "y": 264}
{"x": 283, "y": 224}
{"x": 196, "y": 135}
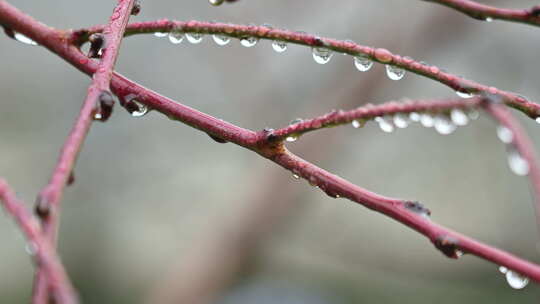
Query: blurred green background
{"x": 160, "y": 213}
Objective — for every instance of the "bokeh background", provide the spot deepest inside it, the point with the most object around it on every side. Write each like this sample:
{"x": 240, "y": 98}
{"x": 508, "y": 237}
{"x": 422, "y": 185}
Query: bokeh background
{"x": 160, "y": 213}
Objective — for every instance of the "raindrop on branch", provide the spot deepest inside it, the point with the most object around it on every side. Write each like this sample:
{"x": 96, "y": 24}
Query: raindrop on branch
{"x": 401, "y": 121}
{"x": 459, "y": 117}
{"x": 427, "y": 120}
{"x": 413, "y": 116}
{"x": 291, "y": 138}
{"x": 23, "y": 39}
{"x": 279, "y": 46}
{"x": 249, "y": 41}
{"x": 216, "y": 2}
{"x": 464, "y": 94}
{"x": 363, "y": 63}
{"x": 504, "y": 134}
{"x": 221, "y": 40}
{"x": 385, "y": 126}
{"x": 514, "y": 279}
{"x": 161, "y": 34}
{"x": 321, "y": 55}
{"x": 443, "y": 125}
{"x": 394, "y": 73}
{"x": 176, "y": 37}
{"x": 517, "y": 163}
{"x": 194, "y": 38}
{"x": 357, "y": 123}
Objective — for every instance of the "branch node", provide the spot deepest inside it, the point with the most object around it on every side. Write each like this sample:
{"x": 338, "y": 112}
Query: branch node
{"x": 449, "y": 246}
{"x": 97, "y": 43}
{"x": 136, "y": 8}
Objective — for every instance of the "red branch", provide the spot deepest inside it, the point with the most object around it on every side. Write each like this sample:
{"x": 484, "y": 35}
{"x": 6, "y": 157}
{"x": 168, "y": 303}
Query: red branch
{"x": 485, "y": 12}
{"x": 376, "y": 54}
{"x": 522, "y": 144}
{"x": 45, "y": 254}
{"x": 409, "y": 213}
{"x": 48, "y": 204}
{"x": 371, "y": 111}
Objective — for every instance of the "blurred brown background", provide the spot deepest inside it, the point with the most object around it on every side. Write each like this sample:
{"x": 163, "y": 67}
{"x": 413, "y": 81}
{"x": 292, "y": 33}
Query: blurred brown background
{"x": 160, "y": 213}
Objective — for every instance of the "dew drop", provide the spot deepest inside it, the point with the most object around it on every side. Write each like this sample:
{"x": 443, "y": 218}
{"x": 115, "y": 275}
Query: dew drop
{"x": 176, "y": 37}
{"x": 458, "y": 253}
{"x": 291, "y": 138}
{"x": 363, "y": 63}
{"x": 216, "y": 2}
{"x": 296, "y": 176}
{"x": 459, "y": 118}
{"x": 443, "y": 125}
{"x": 401, "y": 121}
{"x": 98, "y": 116}
{"x": 221, "y": 39}
{"x": 394, "y": 73}
{"x": 504, "y": 134}
{"x": 279, "y": 46}
{"x": 427, "y": 120}
{"x": 488, "y": 19}
{"x": 537, "y": 120}
{"x": 503, "y": 269}
{"x": 321, "y": 55}
{"x": 357, "y": 123}
{"x": 517, "y": 163}
{"x": 249, "y": 41}
{"x": 194, "y": 38}
{"x": 23, "y": 39}
{"x": 413, "y": 116}
{"x": 385, "y": 126}
{"x": 143, "y": 109}
{"x": 516, "y": 280}
{"x": 160, "y": 34}
{"x": 133, "y": 106}
{"x": 464, "y": 94}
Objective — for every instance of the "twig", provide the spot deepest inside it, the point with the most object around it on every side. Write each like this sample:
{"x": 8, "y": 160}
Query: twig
{"x": 44, "y": 253}
{"x": 487, "y": 13}
{"x": 97, "y": 101}
{"x": 375, "y": 54}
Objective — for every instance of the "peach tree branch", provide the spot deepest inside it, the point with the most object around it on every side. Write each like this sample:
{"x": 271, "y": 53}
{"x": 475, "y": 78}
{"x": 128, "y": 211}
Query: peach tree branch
{"x": 44, "y": 253}
{"x": 487, "y": 13}
{"x": 98, "y": 101}
{"x": 379, "y": 55}
{"x": 409, "y": 213}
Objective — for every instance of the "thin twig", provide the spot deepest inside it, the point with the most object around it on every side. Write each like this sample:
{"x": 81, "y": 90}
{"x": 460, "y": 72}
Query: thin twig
{"x": 43, "y": 252}
{"x": 48, "y": 203}
{"x": 487, "y": 13}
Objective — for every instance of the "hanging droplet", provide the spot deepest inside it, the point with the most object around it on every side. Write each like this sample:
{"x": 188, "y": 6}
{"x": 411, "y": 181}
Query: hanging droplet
{"x": 517, "y": 163}
{"x": 401, "y": 121}
{"x": 488, "y": 19}
{"x": 474, "y": 114}
{"x": 221, "y": 39}
{"x": 31, "y": 248}
{"x": 385, "y": 126}
{"x": 504, "y": 134}
{"x": 464, "y": 94}
{"x": 321, "y": 55}
{"x": 443, "y": 125}
{"x": 161, "y": 34}
{"x": 279, "y": 46}
{"x": 394, "y": 73}
{"x": 133, "y": 106}
{"x": 296, "y": 176}
{"x": 538, "y": 120}
{"x": 98, "y": 116}
{"x": 503, "y": 269}
{"x": 216, "y": 2}
{"x": 291, "y": 138}
{"x": 358, "y": 123}
{"x": 427, "y": 120}
{"x": 23, "y": 39}
{"x": 459, "y": 117}
{"x": 363, "y": 63}
{"x": 176, "y": 37}
{"x": 249, "y": 41}
{"x": 194, "y": 38}
{"x": 516, "y": 280}
{"x": 413, "y": 116}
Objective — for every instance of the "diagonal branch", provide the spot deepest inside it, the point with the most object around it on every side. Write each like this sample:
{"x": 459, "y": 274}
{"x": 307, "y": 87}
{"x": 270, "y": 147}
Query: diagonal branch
{"x": 487, "y": 13}
{"x": 45, "y": 253}
{"x": 379, "y": 55}
{"x": 97, "y": 102}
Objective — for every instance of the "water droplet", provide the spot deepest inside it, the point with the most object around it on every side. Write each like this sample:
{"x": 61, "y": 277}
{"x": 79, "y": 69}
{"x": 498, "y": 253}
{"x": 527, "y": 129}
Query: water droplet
{"x": 194, "y": 38}
{"x": 216, "y": 2}
{"x": 291, "y": 138}
{"x": 221, "y": 39}
{"x": 296, "y": 176}
{"x": 458, "y": 253}
{"x": 31, "y": 248}
{"x": 488, "y": 19}
{"x": 427, "y": 120}
{"x": 279, "y": 46}
{"x": 537, "y": 120}
{"x": 517, "y": 163}
{"x": 321, "y": 55}
{"x": 473, "y": 114}
{"x": 414, "y": 116}
{"x": 97, "y": 116}
{"x": 464, "y": 94}
{"x": 176, "y": 37}
{"x": 363, "y": 63}
{"x": 503, "y": 269}
{"x": 504, "y": 134}
{"x": 384, "y": 125}
{"x": 443, "y": 125}
{"x": 459, "y": 117}
{"x": 401, "y": 121}
{"x": 516, "y": 280}
{"x": 249, "y": 41}
{"x": 394, "y": 73}
{"x": 358, "y": 123}
{"x": 23, "y": 39}
{"x": 160, "y": 34}
{"x": 133, "y": 106}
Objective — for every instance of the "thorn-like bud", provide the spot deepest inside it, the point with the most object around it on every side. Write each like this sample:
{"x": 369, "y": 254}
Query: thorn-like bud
{"x": 97, "y": 43}
{"x": 136, "y": 8}
{"x": 71, "y": 179}
{"x": 42, "y": 207}
{"x": 105, "y": 107}
{"x": 448, "y": 246}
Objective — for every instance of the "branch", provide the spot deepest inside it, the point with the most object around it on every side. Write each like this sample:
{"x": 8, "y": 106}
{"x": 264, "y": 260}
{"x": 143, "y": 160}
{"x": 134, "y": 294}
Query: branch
{"x": 409, "y": 213}
{"x": 98, "y": 103}
{"x": 45, "y": 254}
{"x": 379, "y": 55}
{"x": 361, "y": 114}
{"x": 487, "y": 13}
